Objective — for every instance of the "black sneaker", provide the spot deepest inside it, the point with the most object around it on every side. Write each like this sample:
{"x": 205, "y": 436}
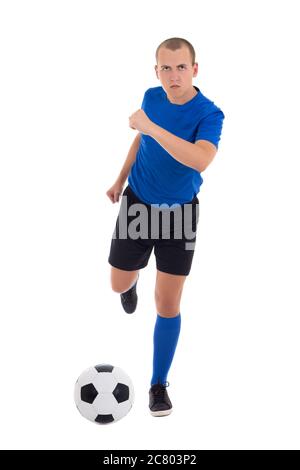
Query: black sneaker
{"x": 159, "y": 401}
{"x": 129, "y": 298}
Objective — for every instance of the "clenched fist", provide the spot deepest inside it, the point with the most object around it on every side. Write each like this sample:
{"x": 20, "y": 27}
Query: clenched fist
{"x": 115, "y": 192}
{"x": 140, "y": 121}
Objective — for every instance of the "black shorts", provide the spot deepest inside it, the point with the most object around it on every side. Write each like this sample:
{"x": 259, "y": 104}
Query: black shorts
{"x": 173, "y": 235}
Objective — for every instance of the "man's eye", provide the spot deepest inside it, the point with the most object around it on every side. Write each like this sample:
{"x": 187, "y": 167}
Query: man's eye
{"x": 181, "y": 66}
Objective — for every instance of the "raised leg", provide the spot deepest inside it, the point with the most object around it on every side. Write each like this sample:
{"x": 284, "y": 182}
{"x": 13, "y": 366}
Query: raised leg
{"x": 121, "y": 280}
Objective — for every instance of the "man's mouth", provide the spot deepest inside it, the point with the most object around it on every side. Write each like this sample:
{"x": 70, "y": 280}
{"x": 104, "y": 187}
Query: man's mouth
{"x": 175, "y": 86}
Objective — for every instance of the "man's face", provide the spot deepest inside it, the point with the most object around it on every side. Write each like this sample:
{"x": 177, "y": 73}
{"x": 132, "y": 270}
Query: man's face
{"x": 175, "y": 68}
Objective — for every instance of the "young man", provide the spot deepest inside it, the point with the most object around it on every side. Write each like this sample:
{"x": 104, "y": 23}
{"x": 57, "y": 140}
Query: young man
{"x": 178, "y": 134}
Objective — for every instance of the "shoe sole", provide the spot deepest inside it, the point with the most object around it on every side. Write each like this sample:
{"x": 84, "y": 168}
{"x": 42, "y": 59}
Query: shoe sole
{"x": 161, "y": 413}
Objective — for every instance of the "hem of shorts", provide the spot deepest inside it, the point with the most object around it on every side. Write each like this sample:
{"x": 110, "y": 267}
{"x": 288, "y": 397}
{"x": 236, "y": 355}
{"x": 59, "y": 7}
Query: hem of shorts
{"x": 126, "y": 268}
{"x": 175, "y": 274}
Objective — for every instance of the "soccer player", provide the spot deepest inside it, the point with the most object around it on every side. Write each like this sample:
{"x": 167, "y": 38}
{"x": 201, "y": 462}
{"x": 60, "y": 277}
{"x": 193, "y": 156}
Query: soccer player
{"x": 178, "y": 134}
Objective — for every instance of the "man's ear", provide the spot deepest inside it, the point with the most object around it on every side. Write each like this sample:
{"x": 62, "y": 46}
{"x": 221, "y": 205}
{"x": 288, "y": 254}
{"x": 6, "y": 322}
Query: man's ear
{"x": 195, "y": 69}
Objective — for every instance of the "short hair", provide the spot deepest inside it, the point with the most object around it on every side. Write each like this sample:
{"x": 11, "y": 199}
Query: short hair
{"x": 176, "y": 43}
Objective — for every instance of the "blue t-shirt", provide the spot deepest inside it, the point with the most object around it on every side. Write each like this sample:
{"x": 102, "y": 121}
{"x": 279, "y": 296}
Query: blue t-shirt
{"x": 156, "y": 177}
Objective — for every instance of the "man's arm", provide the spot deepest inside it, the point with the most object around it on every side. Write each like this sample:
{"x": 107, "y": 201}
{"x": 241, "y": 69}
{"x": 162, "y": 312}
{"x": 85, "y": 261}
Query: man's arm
{"x": 130, "y": 159}
{"x": 197, "y": 156}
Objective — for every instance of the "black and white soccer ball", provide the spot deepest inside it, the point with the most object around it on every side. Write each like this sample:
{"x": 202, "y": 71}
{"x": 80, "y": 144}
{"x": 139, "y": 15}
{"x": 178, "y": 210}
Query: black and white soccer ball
{"x": 104, "y": 393}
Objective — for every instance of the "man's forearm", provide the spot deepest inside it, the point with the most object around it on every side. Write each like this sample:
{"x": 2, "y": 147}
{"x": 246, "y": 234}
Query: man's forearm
{"x": 130, "y": 159}
{"x": 183, "y": 151}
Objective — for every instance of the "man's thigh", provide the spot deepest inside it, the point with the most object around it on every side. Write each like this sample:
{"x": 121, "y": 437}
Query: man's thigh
{"x": 168, "y": 291}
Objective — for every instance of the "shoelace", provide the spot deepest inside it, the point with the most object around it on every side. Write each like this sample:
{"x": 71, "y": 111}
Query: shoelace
{"x": 159, "y": 390}
{"x": 129, "y": 293}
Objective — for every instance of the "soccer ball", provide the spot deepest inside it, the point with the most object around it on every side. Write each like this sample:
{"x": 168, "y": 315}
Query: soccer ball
{"x": 104, "y": 393}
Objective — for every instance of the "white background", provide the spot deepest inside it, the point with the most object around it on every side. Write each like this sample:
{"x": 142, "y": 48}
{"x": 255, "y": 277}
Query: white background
{"x": 71, "y": 74}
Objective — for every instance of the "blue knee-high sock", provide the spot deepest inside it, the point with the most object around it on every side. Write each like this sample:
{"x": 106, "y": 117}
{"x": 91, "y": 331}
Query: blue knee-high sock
{"x": 165, "y": 338}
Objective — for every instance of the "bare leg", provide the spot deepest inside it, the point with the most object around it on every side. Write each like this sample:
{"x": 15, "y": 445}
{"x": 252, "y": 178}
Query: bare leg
{"x": 121, "y": 280}
{"x": 168, "y": 290}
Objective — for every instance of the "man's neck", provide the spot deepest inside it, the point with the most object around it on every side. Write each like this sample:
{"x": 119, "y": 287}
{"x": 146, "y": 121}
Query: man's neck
{"x": 189, "y": 95}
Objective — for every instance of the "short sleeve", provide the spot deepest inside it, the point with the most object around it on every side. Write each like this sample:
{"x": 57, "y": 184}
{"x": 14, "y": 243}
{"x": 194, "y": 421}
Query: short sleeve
{"x": 144, "y": 101}
{"x": 210, "y": 127}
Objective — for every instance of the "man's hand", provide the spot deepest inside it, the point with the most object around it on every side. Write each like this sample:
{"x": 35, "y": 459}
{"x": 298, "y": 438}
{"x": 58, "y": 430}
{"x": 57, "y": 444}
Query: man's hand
{"x": 115, "y": 191}
{"x": 140, "y": 121}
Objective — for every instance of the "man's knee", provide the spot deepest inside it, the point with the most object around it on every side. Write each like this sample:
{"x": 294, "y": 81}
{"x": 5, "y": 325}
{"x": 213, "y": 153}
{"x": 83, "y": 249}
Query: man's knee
{"x": 122, "y": 281}
{"x": 167, "y": 305}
